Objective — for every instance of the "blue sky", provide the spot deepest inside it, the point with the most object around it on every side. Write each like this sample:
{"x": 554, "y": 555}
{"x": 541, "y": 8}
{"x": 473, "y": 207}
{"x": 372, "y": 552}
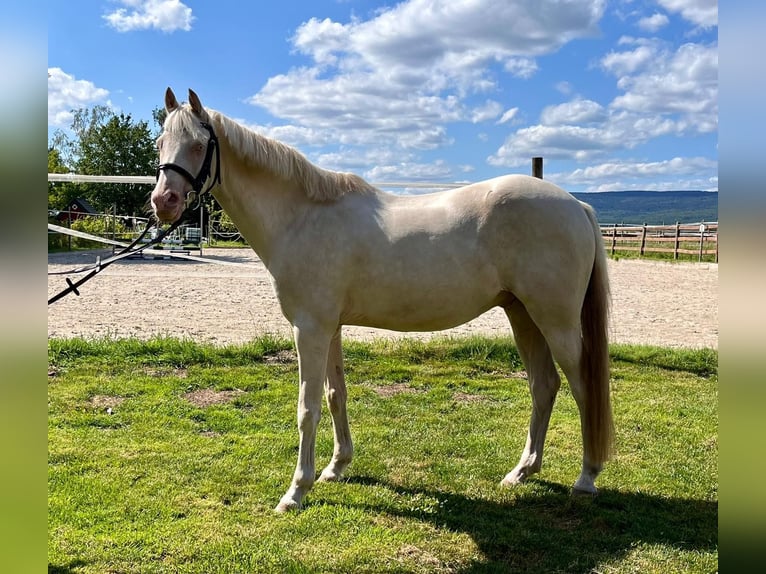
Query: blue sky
{"x": 616, "y": 95}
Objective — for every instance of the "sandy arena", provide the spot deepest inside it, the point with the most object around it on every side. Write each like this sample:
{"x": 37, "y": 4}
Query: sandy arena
{"x": 654, "y": 303}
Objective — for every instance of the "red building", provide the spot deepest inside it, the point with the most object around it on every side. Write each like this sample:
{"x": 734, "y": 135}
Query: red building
{"x": 77, "y": 209}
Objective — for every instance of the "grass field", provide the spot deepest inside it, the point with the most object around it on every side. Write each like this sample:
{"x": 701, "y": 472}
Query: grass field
{"x": 169, "y": 456}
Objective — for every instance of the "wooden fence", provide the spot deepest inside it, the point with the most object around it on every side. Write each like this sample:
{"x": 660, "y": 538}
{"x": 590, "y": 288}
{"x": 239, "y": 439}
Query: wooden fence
{"x": 697, "y": 239}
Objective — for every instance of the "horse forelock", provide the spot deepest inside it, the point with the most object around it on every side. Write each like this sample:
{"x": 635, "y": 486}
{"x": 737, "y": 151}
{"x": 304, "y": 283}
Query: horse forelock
{"x": 287, "y": 163}
{"x": 182, "y": 120}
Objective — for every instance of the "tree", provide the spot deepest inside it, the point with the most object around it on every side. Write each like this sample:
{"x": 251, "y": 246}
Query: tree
{"x": 59, "y": 194}
{"x": 159, "y": 115}
{"x": 109, "y": 144}
{"x": 117, "y": 146}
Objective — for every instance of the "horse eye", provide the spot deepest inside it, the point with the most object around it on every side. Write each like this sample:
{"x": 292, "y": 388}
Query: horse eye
{"x": 198, "y": 147}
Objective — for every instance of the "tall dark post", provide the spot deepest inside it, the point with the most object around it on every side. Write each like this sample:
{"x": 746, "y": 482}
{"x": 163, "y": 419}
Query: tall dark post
{"x": 537, "y": 167}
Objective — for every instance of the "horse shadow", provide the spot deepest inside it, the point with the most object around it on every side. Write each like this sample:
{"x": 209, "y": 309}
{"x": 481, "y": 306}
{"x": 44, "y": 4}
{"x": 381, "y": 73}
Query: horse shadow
{"x": 70, "y": 568}
{"x": 554, "y": 531}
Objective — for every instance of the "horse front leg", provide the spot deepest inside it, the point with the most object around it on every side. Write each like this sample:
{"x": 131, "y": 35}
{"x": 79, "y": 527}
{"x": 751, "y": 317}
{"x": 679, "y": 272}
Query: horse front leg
{"x": 312, "y": 344}
{"x": 336, "y": 395}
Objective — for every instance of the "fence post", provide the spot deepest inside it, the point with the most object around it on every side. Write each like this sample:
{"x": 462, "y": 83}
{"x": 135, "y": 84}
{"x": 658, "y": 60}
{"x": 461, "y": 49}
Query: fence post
{"x": 614, "y": 238}
{"x": 643, "y": 241}
{"x": 702, "y": 240}
{"x": 716, "y": 243}
{"x": 114, "y": 222}
{"x": 201, "y": 223}
{"x": 69, "y": 224}
{"x": 537, "y": 167}
{"x": 678, "y": 240}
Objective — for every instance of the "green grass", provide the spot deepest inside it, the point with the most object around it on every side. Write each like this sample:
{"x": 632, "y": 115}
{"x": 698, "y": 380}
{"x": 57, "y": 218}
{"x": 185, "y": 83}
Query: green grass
{"x": 163, "y": 485}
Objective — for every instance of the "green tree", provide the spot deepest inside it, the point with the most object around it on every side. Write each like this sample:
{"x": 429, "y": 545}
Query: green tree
{"x": 115, "y": 145}
{"x": 159, "y": 115}
{"x": 59, "y": 194}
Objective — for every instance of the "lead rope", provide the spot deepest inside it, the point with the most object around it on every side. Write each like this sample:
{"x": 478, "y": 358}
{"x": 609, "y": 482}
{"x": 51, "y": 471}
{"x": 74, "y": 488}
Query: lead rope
{"x": 99, "y": 266}
{"x": 197, "y": 184}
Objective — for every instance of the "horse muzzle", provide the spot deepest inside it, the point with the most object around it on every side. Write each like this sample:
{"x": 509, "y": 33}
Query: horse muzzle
{"x": 168, "y": 205}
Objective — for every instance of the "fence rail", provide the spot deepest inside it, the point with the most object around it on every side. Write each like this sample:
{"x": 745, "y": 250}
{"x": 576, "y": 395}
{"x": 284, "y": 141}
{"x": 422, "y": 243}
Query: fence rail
{"x": 698, "y": 239}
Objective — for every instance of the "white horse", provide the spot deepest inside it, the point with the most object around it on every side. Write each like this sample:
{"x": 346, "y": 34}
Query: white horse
{"x": 342, "y": 252}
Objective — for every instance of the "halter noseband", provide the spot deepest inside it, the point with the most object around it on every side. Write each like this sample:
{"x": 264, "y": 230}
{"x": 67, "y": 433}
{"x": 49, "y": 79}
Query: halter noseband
{"x": 204, "y": 172}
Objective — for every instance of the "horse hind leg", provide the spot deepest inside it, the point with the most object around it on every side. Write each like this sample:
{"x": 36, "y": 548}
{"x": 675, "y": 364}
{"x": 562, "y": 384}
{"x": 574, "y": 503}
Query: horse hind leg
{"x": 336, "y": 395}
{"x": 544, "y": 383}
{"x": 588, "y": 388}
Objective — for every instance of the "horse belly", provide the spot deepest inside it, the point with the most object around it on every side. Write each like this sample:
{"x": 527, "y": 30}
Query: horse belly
{"x": 420, "y": 302}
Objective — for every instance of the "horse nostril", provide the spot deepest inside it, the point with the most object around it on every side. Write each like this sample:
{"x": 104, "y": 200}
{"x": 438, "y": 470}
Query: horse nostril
{"x": 172, "y": 198}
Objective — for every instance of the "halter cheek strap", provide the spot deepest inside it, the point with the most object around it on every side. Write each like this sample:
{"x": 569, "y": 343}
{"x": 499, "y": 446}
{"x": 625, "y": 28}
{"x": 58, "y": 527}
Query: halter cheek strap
{"x": 204, "y": 172}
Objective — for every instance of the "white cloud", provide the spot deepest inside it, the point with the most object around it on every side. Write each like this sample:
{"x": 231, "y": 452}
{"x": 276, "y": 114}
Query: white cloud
{"x": 384, "y": 88}
{"x": 684, "y": 82}
{"x": 700, "y": 12}
{"x": 654, "y": 22}
{"x": 665, "y": 93}
{"x": 359, "y": 160}
{"x": 564, "y": 87}
{"x": 408, "y": 71}
{"x": 163, "y": 15}
{"x": 296, "y": 136}
{"x": 422, "y": 32}
{"x": 322, "y": 39}
{"x": 694, "y": 173}
{"x": 556, "y": 142}
{"x": 489, "y": 111}
{"x": 357, "y": 109}
{"x": 508, "y": 116}
{"x": 65, "y": 93}
{"x": 521, "y": 67}
{"x": 574, "y": 112}
{"x": 630, "y": 61}
{"x": 411, "y": 171}
{"x": 621, "y": 169}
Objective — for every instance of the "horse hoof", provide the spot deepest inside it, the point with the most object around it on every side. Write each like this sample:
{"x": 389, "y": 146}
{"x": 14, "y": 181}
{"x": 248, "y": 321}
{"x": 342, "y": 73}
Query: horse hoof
{"x": 513, "y": 478}
{"x": 329, "y": 475}
{"x": 584, "y": 492}
{"x": 584, "y": 486}
{"x": 286, "y": 506}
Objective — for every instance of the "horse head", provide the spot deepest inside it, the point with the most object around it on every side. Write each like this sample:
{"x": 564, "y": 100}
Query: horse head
{"x": 186, "y": 147}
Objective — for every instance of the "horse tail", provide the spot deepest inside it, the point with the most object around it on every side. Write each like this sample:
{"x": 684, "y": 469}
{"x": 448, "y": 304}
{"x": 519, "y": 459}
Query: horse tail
{"x": 594, "y": 365}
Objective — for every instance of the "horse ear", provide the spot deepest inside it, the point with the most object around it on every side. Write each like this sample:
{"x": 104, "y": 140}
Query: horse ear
{"x": 171, "y": 103}
{"x": 196, "y": 104}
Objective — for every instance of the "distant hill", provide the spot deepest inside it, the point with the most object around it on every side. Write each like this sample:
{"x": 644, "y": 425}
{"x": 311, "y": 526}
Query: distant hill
{"x": 653, "y": 207}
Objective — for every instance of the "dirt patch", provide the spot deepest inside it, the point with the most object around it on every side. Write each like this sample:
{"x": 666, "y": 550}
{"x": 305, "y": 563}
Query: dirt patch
{"x": 394, "y": 389}
{"x": 166, "y": 372}
{"x": 281, "y": 358}
{"x": 101, "y": 402}
{"x": 411, "y": 553}
{"x": 460, "y": 397}
{"x": 206, "y": 397}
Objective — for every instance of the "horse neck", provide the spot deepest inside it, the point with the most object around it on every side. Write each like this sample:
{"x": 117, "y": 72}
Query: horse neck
{"x": 259, "y": 203}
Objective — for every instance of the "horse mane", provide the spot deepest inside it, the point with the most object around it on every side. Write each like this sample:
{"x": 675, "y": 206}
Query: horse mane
{"x": 318, "y": 184}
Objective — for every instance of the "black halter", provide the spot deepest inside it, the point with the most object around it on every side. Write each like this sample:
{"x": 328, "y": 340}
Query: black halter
{"x": 204, "y": 172}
